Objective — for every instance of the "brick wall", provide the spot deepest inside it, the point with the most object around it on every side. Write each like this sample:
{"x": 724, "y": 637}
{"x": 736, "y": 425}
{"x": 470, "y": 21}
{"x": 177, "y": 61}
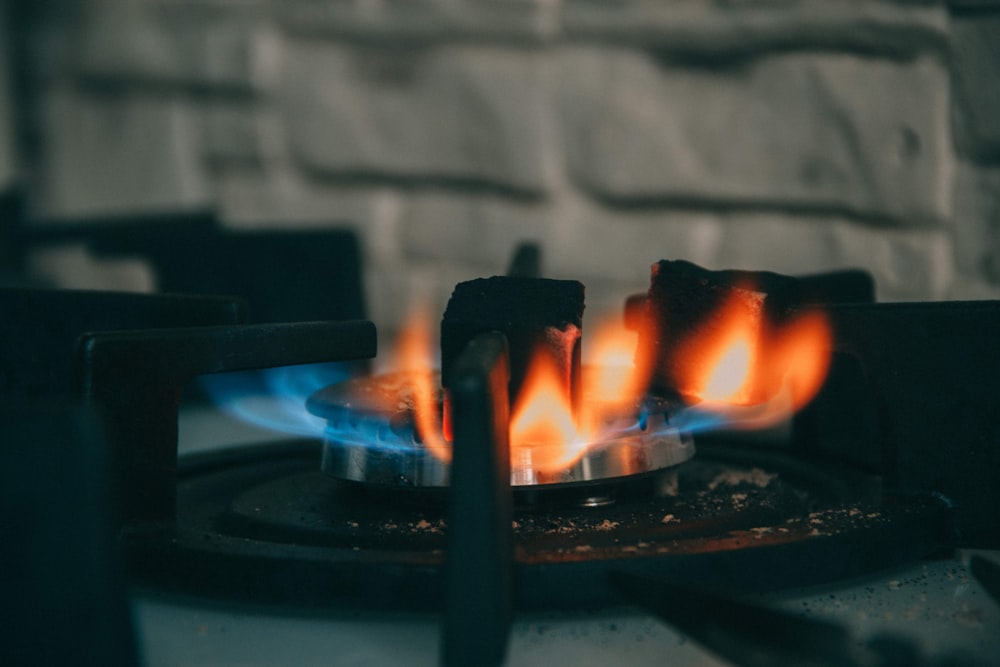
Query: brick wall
{"x": 792, "y": 135}
{"x": 7, "y": 163}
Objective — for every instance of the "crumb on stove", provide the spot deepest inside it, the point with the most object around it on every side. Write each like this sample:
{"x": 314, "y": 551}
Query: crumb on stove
{"x": 671, "y": 486}
{"x": 969, "y": 616}
{"x": 755, "y": 476}
{"x": 606, "y": 525}
{"x": 669, "y": 518}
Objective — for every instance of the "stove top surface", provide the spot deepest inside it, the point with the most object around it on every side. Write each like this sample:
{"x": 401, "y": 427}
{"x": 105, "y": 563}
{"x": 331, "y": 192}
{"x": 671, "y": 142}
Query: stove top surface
{"x": 935, "y": 606}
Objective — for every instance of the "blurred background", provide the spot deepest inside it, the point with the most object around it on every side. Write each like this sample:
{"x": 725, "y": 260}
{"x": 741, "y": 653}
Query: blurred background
{"x": 790, "y": 135}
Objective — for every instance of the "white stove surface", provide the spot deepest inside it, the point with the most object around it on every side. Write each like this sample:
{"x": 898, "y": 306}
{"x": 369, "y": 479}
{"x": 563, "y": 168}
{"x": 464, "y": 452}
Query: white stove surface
{"x": 936, "y": 605}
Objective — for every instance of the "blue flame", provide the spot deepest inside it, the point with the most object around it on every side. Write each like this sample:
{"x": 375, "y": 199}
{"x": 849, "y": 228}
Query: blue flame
{"x": 275, "y": 398}
{"x": 697, "y": 420}
{"x": 374, "y": 432}
{"x": 652, "y": 422}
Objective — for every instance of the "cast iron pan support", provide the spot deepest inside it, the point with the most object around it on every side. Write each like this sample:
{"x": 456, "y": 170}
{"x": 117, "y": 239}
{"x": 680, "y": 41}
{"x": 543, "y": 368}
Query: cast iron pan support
{"x": 134, "y": 380}
{"x": 933, "y": 382}
{"x": 59, "y": 565}
{"x": 480, "y": 535}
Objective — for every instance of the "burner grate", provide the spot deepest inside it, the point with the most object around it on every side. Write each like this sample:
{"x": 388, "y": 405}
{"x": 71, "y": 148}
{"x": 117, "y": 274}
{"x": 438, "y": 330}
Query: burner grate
{"x": 266, "y": 525}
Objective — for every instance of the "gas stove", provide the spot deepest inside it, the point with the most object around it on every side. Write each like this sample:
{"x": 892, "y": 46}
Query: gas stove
{"x": 184, "y": 537}
{"x": 933, "y": 604}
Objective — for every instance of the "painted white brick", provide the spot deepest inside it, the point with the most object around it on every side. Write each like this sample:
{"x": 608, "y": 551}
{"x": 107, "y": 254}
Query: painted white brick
{"x": 231, "y": 133}
{"x": 975, "y": 44}
{"x": 711, "y": 29}
{"x": 967, "y": 287}
{"x": 421, "y": 20}
{"x": 594, "y": 242}
{"x": 110, "y": 153}
{"x": 908, "y": 264}
{"x": 168, "y": 42}
{"x": 8, "y": 167}
{"x": 977, "y": 221}
{"x": 701, "y": 26}
{"x": 448, "y": 114}
{"x": 395, "y": 290}
{"x": 611, "y": 250}
{"x": 278, "y": 198}
{"x": 618, "y": 247}
{"x": 413, "y": 120}
{"x": 255, "y": 198}
{"x": 862, "y": 136}
{"x": 480, "y": 230}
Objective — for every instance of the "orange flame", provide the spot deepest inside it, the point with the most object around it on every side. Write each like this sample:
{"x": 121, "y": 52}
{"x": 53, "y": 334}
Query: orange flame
{"x": 727, "y": 380}
{"x": 615, "y": 376}
{"x": 742, "y": 361}
{"x": 543, "y": 432}
{"x": 799, "y": 357}
{"x": 736, "y": 363}
{"x": 415, "y": 355}
{"x": 728, "y": 367}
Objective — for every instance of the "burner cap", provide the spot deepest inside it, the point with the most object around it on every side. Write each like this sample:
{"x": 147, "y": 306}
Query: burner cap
{"x": 371, "y": 438}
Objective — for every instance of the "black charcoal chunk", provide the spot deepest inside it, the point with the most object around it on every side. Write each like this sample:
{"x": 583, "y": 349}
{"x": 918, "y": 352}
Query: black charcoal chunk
{"x": 683, "y": 298}
{"x": 845, "y": 286}
{"x": 533, "y": 313}
{"x": 681, "y": 302}
{"x": 635, "y": 311}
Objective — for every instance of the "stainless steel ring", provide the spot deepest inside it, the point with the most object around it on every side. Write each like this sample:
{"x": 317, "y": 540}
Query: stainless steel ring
{"x": 370, "y": 438}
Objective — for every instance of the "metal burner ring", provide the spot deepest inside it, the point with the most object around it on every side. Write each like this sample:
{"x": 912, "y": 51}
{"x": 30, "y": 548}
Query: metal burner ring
{"x": 370, "y": 438}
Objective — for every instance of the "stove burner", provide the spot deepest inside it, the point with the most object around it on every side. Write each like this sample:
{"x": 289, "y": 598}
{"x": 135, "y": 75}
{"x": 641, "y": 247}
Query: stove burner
{"x": 371, "y": 438}
{"x": 263, "y": 524}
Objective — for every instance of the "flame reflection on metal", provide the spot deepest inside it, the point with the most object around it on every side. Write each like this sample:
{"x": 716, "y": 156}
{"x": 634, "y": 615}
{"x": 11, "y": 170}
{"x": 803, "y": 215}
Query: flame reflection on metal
{"x": 370, "y": 438}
